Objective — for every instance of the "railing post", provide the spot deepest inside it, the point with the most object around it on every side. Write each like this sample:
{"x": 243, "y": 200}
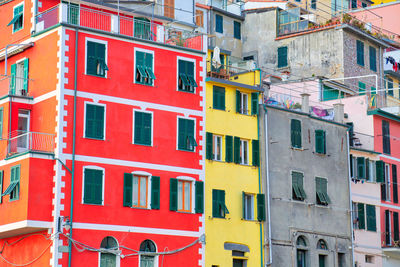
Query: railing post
{"x": 63, "y": 13}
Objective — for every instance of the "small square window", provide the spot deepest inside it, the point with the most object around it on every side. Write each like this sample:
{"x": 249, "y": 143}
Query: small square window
{"x": 369, "y": 259}
{"x": 217, "y": 147}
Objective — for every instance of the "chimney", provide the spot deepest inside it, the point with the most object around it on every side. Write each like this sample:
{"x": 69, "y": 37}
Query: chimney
{"x": 339, "y": 112}
{"x": 305, "y": 103}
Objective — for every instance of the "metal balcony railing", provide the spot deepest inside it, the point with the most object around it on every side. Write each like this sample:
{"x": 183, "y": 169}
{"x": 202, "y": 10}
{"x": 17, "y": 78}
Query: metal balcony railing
{"x": 7, "y": 89}
{"x": 231, "y": 73}
{"x": 21, "y": 141}
{"x": 123, "y": 25}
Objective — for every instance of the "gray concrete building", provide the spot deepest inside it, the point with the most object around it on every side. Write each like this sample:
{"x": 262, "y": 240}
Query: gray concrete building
{"x": 306, "y": 179}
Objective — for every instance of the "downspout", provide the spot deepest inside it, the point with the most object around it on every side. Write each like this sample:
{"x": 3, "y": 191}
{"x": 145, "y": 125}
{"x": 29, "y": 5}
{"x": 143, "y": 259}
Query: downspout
{"x": 260, "y": 192}
{"x": 73, "y": 148}
{"x": 351, "y": 206}
{"x": 268, "y": 194}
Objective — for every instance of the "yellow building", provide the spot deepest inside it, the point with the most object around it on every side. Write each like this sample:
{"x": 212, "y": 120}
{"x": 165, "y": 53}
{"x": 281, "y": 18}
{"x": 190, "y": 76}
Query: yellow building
{"x": 235, "y": 203}
{"x": 392, "y": 86}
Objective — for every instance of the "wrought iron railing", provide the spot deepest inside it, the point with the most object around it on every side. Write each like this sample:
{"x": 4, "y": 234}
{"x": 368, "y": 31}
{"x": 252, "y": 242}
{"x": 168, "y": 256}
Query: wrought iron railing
{"x": 22, "y": 141}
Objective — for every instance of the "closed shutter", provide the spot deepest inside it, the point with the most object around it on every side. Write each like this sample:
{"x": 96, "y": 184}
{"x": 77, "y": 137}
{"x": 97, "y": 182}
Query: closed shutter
{"x": 238, "y": 102}
{"x": 209, "y": 146}
{"x": 127, "y": 202}
{"x": 182, "y": 134}
{"x": 360, "y": 53}
{"x": 219, "y": 98}
{"x": 295, "y": 133}
{"x": 142, "y": 128}
{"x": 395, "y": 186}
{"x": 199, "y": 197}
{"x": 173, "y": 194}
{"x": 372, "y": 58}
{"x": 395, "y": 226}
{"x": 380, "y": 171}
{"x": 94, "y": 121}
{"x": 383, "y": 191}
{"x": 93, "y": 193}
{"x": 1, "y": 123}
{"x": 1, "y": 186}
{"x": 13, "y": 78}
{"x": 367, "y": 169}
{"x": 351, "y": 166}
{"x": 260, "y": 207}
{"x": 254, "y": 103}
{"x": 361, "y": 216}
{"x": 282, "y": 57}
{"x": 387, "y": 227}
{"x": 361, "y": 88}
{"x": 371, "y": 217}
{"x": 155, "y": 193}
{"x": 386, "y": 137}
{"x": 320, "y": 141}
{"x": 236, "y": 150}
{"x": 361, "y": 167}
{"x": 228, "y": 148}
{"x": 91, "y": 58}
{"x": 219, "y": 24}
{"x": 26, "y": 74}
{"x": 236, "y": 30}
{"x": 256, "y": 152}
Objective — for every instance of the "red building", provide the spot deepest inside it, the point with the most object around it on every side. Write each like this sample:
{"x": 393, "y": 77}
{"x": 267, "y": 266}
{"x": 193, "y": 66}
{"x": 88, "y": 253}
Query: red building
{"x": 102, "y": 119}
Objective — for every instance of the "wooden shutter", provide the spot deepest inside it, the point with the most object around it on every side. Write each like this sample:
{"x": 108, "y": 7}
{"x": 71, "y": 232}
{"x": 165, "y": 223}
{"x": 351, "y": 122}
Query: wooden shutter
{"x": 295, "y": 133}
{"x": 1, "y": 186}
{"x": 236, "y": 150}
{"x": 138, "y": 127}
{"x": 219, "y": 97}
{"x": 380, "y": 171}
{"x": 182, "y": 133}
{"x": 282, "y": 56}
{"x": 228, "y": 148}
{"x": 320, "y": 141}
{"x": 254, "y": 103}
{"x": 236, "y": 30}
{"x": 360, "y": 53}
{"x": 219, "y": 23}
{"x": 371, "y": 217}
{"x": 372, "y": 58}
{"x": 142, "y": 128}
{"x": 387, "y": 227}
{"x": 386, "y": 137}
{"x": 260, "y": 207}
{"x": 238, "y": 102}
{"x": 173, "y": 194}
{"x": 91, "y": 58}
{"x": 93, "y": 193}
{"x": 26, "y": 74}
{"x": 361, "y": 216}
{"x": 395, "y": 226}
{"x": 199, "y": 197}
{"x": 243, "y": 205}
{"x": 1, "y": 123}
{"x": 127, "y": 202}
{"x": 155, "y": 192}
{"x": 383, "y": 191}
{"x": 351, "y": 166}
{"x": 395, "y": 186}
{"x": 361, "y": 167}
{"x": 13, "y": 78}
{"x": 199, "y": 18}
{"x": 169, "y": 8}
{"x": 209, "y": 146}
{"x": 256, "y": 152}
{"x": 215, "y": 204}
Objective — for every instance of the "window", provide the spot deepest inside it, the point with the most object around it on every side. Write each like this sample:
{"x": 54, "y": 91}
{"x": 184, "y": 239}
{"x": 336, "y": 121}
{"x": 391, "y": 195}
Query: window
{"x": 389, "y": 83}
{"x": 219, "y": 209}
{"x": 186, "y": 139}
{"x": 260, "y": 207}
{"x": 217, "y": 147}
{"x": 373, "y": 91}
{"x": 342, "y": 259}
{"x": 18, "y": 18}
{"x": 385, "y": 137}
{"x": 301, "y": 253}
{"x": 369, "y": 259}
{"x": 395, "y": 185}
{"x": 143, "y": 128}
{"x": 256, "y": 152}
{"x": 372, "y": 58}
{"x": 395, "y": 226}
{"x": 354, "y": 4}
{"x": 186, "y": 77}
{"x": 142, "y": 29}
{"x": 13, "y": 188}
{"x": 371, "y": 217}
{"x": 314, "y": 4}
{"x": 108, "y": 259}
{"x": 380, "y": 171}
{"x": 218, "y": 97}
{"x": 321, "y": 185}
{"x": 242, "y": 103}
{"x": 20, "y": 78}
{"x": 298, "y": 192}
{"x": 241, "y": 153}
{"x": 364, "y": 5}
{"x": 144, "y": 68}
{"x": 219, "y": 23}
{"x": 137, "y": 188}
{"x": 361, "y": 88}
{"x": 383, "y": 173}
{"x": 359, "y": 215}
{"x": 236, "y": 30}
{"x": 23, "y": 130}
{"x": 361, "y": 168}
{"x": 93, "y": 186}
{"x": 320, "y": 142}
{"x": 199, "y": 18}
{"x": 282, "y": 56}
{"x": 1, "y": 123}
{"x": 295, "y": 133}
{"x": 147, "y": 260}
{"x": 388, "y": 227}
{"x": 94, "y": 121}
{"x": 184, "y": 196}
{"x": 322, "y": 260}
{"x": 181, "y": 195}
{"x": 96, "y": 58}
{"x": 248, "y": 206}
{"x": 322, "y": 245}
{"x": 360, "y": 53}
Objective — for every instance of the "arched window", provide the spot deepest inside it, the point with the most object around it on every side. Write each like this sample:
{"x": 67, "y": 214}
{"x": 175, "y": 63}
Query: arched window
{"x": 147, "y": 260}
{"x": 108, "y": 259}
{"x": 322, "y": 245}
{"x": 301, "y": 249}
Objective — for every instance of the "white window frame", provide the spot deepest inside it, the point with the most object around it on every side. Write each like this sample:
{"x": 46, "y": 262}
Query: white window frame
{"x": 133, "y": 126}
{"x": 192, "y": 188}
{"x": 242, "y": 101}
{"x": 19, "y": 80}
{"x": 88, "y": 39}
{"x": 27, "y": 136}
{"x": 354, "y": 165}
{"x": 177, "y": 72}
{"x": 177, "y": 132}
{"x": 372, "y": 171}
{"x": 215, "y": 147}
{"x": 23, "y": 16}
{"x": 390, "y": 228}
{"x": 155, "y": 257}
{"x": 134, "y": 64}
{"x": 354, "y": 217}
{"x": 84, "y": 119}
{"x": 242, "y": 152}
{"x": 118, "y": 258}
{"x": 252, "y": 206}
{"x": 148, "y": 193}
{"x": 387, "y": 181}
{"x": 92, "y": 167}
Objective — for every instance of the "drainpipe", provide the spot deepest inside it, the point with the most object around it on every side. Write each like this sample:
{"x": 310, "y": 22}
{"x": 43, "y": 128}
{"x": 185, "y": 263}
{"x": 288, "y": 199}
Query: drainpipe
{"x": 73, "y": 148}
{"x": 268, "y": 194}
{"x": 351, "y": 206}
{"x": 260, "y": 192}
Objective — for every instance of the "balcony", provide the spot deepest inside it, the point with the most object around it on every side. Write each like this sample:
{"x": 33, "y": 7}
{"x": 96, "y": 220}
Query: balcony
{"x": 7, "y": 89}
{"x": 22, "y": 142}
{"x": 124, "y": 25}
{"x": 248, "y": 76}
{"x": 361, "y": 141}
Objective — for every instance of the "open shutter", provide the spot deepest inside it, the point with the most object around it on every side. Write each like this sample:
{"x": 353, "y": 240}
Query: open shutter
{"x": 13, "y": 78}
{"x": 238, "y": 101}
{"x": 256, "y": 152}
{"x": 228, "y": 148}
{"x": 155, "y": 192}
{"x": 351, "y": 166}
{"x": 1, "y": 186}
{"x": 128, "y": 177}
{"x": 395, "y": 186}
{"x": 260, "y": 207}
{"x": 209, "y": 146}
{"x": 361, "y": 216}
{"x": 91, "y": 58}
{"x": 236, "y": 148}
{"x": 26, "y": 74}
{"x": 254, "y": 103}
{"x": 361, "y": 167}
{"x": 371, "y": 217}
{"x": 243, "y": 205}
{"x": 181, "y": 133}
{"x": 395, "y": 226}
{"x": 380, "y": 171}
{"x": 215, "y": 203}
{"x": 199, "y": 197}
{"x": 173, "y": 194}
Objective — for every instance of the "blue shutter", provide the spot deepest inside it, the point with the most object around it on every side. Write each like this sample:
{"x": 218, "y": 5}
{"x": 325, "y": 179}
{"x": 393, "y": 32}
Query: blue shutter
{"x": 282, "y": 56}
{"x": 360, "y": 53}
{"x": 372, "y": 58}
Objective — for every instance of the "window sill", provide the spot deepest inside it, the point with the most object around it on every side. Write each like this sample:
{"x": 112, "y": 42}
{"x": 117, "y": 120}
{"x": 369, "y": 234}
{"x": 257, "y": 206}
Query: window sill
{"x": 320, "y": 154}
{"x": 139, "y": 208}
{"x": 184, "y": 212}
{"x": 322, "y": 206}
{"x": 147, "y": 84}
{"x": 94, "y": 138}
{"x": 297, "y": 148}
{"x": 249, "y": 220}
{"x": 184, "y": 91}
{"x": 185, "y": 150}
{"x": 95, "y": 75}
{"x": 223, "y": 218}
{"x": 92, "y": 204}
{"x": 283, "y": 68}
{"x": 219, "y": 109}
{"x": 142, "y": 144}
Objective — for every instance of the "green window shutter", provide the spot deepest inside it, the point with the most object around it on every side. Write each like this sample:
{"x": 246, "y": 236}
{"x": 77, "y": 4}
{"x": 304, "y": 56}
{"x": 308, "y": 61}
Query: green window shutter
{"x": 373, "y": 91}
{"x": 155, "y": 192}
{"x": 236, "y": 30}
{"x": 243, "y": 205}
{"x": 395, "y": 226}
{"x": 127, "y": 202}
{"x": 228, "y": 148}
{"x": 94, "y": 121}
{"x": 140, "y": 61}
{"x": 361, "y": 167}
{"x": 1, "y": 123}
{"x": 219, "y": 23}
{"x": 209, "y": 146}
{"x": 1, "y": 186}
{"x": 361, "y": 216}
{"x": 236, "y": 150}
{"x": 371, "y": 217}
{"x": 91, "y": 58}
{"x": 295, "y": 133}
{"x": 260, "y": 207}
{"x": 254, "y": 103}
{"x": 173, "y": 194}
{"x": 93, "y": 193}
{"x": 351, "y": 166}
{"x": 26, "y": 74}
{"x": 215, "y": 204}
{"x": 320, "y": 141}
{"x": 372, "y": 58}
{"x": 297, "y": 186}
{"x": 199, "y": 197}
{"x": 380, "y": 171}
{"x": 13, "y": 78}
{"x": 282, "y": 56}
{"x": 256, "y": 152}
{"x": 186, "y": 138}
{"x": 219, "y": 98}
{"x": 142, "y": 128}
{"x": 361, "y": 88}
{"x": 395, "y": 185}
{"x": 221, "y": 200}
{"x": 182, "y": 133}
{"x": 360, "y": 53}
{"x": 238, "y": 101}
